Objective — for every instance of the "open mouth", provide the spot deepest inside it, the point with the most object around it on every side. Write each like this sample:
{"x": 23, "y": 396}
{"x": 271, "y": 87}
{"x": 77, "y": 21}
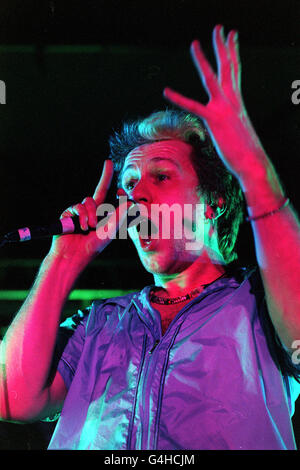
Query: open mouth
{"x": 148, "y": 244}
{"x": 147, "y": 231}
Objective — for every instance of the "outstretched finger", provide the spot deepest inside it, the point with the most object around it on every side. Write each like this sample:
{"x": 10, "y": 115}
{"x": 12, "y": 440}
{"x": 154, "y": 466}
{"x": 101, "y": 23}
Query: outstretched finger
{"x": 233, "y": 49}
{"x": 104, "y": 182}
{"x": 207, "y": 74}
{"x": 188, "y": 104}
{"x": 225, "y": 67}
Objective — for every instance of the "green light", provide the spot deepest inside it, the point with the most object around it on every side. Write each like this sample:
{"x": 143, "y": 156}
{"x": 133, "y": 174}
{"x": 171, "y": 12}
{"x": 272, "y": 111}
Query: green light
{"x": 87, "y": 294}
{"x": 77, "y": 294}
{"x": 13, "y": 294}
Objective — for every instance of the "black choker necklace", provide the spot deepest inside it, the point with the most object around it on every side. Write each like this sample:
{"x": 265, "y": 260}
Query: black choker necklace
{"x": 176, "y": 300}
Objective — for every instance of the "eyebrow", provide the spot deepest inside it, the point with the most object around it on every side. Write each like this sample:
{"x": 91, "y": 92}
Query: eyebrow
{"x": 154, "y": 159}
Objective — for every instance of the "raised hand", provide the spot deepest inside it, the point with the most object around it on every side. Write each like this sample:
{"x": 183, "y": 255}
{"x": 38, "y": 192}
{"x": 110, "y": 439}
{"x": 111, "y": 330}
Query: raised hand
{"x": 85, "y": 247}
{"x": 225, "y": 115}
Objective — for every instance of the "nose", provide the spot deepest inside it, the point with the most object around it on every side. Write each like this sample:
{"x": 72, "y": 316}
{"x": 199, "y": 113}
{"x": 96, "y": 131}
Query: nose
{"x": 141, "y": 193}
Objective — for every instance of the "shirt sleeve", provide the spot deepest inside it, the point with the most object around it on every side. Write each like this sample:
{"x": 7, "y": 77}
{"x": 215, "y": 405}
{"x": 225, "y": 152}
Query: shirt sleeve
{"x": 69, "y": 345}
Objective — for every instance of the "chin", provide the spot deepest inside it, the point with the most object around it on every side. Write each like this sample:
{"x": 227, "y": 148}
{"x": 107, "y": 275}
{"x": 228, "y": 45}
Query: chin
{"x": 158, "y": 263}
{"x": 154, "y": 262}
{"x": 166, "y": 258}
{"x": 153, "y": 265}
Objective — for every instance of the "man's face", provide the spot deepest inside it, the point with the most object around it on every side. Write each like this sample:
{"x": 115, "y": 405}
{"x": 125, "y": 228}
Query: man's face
{"x": 160, "y": 175}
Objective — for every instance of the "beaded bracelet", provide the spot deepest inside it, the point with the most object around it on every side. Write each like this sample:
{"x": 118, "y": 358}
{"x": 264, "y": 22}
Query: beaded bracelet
{"x": 285, "y": 203}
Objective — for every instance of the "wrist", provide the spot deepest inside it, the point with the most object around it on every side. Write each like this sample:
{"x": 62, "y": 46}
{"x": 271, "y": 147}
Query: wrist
{"x": 262, "y": 190}
{"x": 285, "y": 202}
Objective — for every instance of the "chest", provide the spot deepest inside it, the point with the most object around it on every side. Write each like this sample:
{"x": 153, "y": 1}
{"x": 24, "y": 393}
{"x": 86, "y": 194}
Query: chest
{"x": 168, "y": 313}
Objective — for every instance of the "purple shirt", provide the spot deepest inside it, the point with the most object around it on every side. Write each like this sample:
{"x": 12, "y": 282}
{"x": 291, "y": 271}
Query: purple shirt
{"x": 213, "y": 381}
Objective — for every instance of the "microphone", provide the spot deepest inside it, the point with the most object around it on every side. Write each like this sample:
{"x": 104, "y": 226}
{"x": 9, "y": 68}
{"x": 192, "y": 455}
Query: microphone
{"x": 64, "y": 226}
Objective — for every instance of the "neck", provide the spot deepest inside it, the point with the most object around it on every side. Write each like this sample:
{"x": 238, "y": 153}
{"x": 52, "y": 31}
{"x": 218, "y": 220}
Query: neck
{"x": 177, "y": 284}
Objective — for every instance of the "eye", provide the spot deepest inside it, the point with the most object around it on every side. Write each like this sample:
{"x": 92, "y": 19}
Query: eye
{"x": 161, "y": 177}
{"x": 129, "y": 185}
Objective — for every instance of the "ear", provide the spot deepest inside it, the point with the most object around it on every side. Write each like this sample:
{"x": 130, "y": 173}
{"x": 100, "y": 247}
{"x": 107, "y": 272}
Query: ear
{"x": 221, "y": 207}
{"x": 214, "y": 211}
{"x": 221, "y": 202}
{"x": 209, "y": 212}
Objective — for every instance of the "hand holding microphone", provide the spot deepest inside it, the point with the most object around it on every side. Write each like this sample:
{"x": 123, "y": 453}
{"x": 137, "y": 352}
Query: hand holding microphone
{"x": 88, "y": 245}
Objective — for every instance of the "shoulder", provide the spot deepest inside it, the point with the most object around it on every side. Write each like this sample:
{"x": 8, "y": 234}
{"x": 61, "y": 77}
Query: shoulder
{"x": 108, "y": 310}
{"x": 96, "y": 308}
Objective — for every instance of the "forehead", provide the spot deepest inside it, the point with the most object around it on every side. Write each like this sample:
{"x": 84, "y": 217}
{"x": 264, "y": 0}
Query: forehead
{"x": 174, "y": 151}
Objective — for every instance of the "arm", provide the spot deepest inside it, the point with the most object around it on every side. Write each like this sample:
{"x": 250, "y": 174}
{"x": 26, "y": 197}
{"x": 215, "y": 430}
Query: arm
{"x": 276, "y": 237}
{"x": 277, "y": 244}
{"x": 28, "y": 346}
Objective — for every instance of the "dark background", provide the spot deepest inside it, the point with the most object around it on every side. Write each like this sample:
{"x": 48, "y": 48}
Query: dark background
{"x": 74, "y": 70}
